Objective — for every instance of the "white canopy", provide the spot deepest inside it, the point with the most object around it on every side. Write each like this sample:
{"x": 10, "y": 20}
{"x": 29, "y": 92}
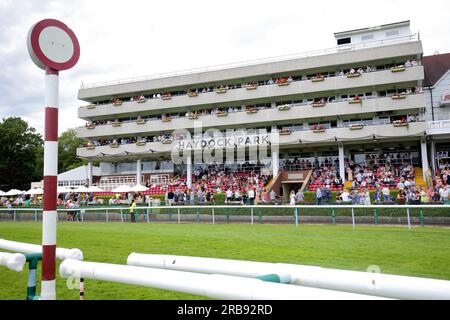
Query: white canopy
{"x": 81, "y": 189}
{"x": 36, "y": 191}
{"x": 64, "y": 190}
{"x": 139, "y": 188}
{"x": 122, "y": 188}
{"x": 2, "y": 193}
{"x": 14, "y": 192}
{"x": 95, "y": 189}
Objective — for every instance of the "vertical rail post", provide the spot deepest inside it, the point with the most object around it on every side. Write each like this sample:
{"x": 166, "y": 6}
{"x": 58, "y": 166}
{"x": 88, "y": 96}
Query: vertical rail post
{"x": 422, "y": 218}
{"x": 333, "y": 216}
{"x": 121, "y": 215}
{"x": 353, "y": 218}
{"x": 148, "y": 218}
{"x": 35, "y": 215}
{"x": 179, "y": 216}
{"x": 408, "y": 218}
{"x": 213, "y": 216}
{"x": 198, "y": 215}
{"x": 260, "y": 216}
{"x": 107, "y": 215}
{"x": 252, "y": 215}
{"x": 14, "y": 214}
{"x": 228, "y": 215}
{"x": 375, "y": 216}
{"x": 296, "y": 216}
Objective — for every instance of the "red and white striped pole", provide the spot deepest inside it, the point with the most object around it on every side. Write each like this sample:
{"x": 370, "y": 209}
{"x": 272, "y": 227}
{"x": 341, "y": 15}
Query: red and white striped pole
{"x": 53, "y": 47}
{"x": 48, "y": 289}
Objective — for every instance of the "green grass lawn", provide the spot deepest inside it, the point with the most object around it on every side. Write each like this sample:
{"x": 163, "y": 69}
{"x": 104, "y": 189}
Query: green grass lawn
{"x": 422, "y": 252}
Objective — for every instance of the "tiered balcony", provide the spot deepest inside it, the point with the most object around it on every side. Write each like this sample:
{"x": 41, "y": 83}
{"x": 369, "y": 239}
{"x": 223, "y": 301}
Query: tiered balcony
{"x": 262, "y": 117}
{"x": 270, "y": 92}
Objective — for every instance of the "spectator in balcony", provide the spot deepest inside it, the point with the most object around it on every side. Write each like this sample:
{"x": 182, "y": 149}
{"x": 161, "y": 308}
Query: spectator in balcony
{"x": 270, "y": 82}
{"x": 414, "y": 63}
{"x": 273, "y": 196}
{"x": 368, "y": 69}
{"x": 408, "y": 64}
{"x": 360, "y": 70}
{"x": 341, "y": 73}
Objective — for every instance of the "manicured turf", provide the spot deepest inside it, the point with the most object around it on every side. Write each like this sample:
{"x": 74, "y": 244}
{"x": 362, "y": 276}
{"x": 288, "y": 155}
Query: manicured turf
{"x": 422, "y": 252}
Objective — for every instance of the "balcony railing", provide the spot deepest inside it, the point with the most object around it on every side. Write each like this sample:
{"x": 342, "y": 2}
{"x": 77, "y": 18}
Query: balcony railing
{"x": 443, "y": 124}
{"x": 359, "y": 46}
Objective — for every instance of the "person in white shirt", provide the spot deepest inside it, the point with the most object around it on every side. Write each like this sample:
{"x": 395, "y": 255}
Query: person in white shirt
{"x": 408, "y": 64}
{"x": 414, "y": 63}
{"x": 229, "y": 195}
{"x": 292, "y": 198}
{"x": 345, "y": 197}
{"x": 251, "y": 196}
{"x": 386, "y": 193}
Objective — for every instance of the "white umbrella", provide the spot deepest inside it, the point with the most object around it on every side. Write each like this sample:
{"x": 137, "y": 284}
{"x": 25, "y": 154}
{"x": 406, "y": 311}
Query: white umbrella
{"x": 122, "y": 188}
{"x": 139, "y": 188}
{"x": 81, "y": 189}
{"x": 14, "y": 192}
{"x": 95, "y": 189}
{"x": 33, "y": 192}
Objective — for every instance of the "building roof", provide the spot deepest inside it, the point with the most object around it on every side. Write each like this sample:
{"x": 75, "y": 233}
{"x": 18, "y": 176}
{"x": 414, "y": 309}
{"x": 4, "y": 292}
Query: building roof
{"x": 435, "y": 67}
{"x": 80, "y": 173}
{"x": 383, "y": 26}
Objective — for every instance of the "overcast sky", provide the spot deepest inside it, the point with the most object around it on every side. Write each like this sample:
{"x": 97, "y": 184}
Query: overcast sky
{"x": 123, "y": 39}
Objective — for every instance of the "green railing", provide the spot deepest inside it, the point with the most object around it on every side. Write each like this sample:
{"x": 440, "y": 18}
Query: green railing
{"x": 328, "y": 214}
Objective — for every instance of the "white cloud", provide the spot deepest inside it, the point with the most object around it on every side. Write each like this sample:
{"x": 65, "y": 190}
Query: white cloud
{"x": 122, "y": 39}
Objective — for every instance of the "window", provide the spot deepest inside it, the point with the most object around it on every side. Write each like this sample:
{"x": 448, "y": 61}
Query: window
{"x": 392, "y": 33}
{"x": 344, "y": 41}
{"x": 367, "y": 37}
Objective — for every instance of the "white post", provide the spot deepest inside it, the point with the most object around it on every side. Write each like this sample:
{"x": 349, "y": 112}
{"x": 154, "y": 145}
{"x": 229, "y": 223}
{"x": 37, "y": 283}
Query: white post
{"x": 353, "y": 218}
{"x": 341, "y": 162}
{"x": 90, "y": 173}
{"x": 408, "y": 218}
{"x": 179, "y": 216}
{"x": 139, "y": 172}
{"x": 252, "y": 215}
{"x": 275, "y": 163}
{"x": 213, "y": 216}
{"x": 433, "y": 156}
{"x": 189, "y": 170}
{"x": 425, "y": 166}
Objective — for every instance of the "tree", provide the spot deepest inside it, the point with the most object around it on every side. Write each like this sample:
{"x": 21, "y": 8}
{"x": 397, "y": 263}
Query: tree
{"x": 68, "y": 143}
{"x": 20, "y": 154}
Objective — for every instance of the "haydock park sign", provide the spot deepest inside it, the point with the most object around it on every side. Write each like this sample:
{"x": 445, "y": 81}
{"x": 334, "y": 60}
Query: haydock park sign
{"x": 225, "y": 142}
{"x": 211, "y": 147}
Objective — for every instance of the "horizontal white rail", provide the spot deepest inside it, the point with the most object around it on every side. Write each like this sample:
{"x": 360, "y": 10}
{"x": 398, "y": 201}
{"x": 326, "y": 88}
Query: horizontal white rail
{"x": 212, "y": 286}
{"x": 61, "y": 253}
{"x": 13, "y": 261}
{"x": 390, "y": 286}
{"x": 381, "y": 206}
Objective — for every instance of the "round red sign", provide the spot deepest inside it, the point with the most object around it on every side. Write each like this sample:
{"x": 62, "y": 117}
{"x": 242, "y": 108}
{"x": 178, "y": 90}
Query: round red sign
{"x": 52, "y": 44}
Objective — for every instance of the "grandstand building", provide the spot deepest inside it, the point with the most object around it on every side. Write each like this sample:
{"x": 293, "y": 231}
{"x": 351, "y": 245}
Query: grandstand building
{"x": 359, "y": 102}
